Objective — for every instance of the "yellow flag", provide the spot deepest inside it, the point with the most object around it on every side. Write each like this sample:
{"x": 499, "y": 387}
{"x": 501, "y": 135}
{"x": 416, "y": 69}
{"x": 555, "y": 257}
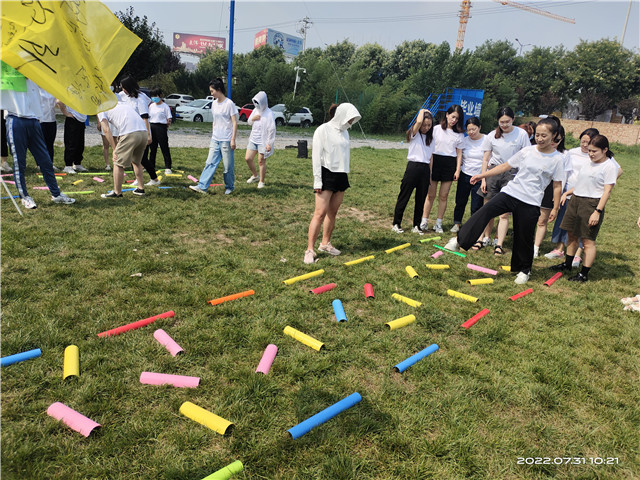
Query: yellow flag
{"x": 72, "y": 49}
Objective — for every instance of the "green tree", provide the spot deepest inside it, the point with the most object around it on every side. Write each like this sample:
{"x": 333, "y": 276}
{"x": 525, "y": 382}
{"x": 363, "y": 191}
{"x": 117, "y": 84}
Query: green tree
{"x": 340, "y": 54}
{"x": 541, "y": 80}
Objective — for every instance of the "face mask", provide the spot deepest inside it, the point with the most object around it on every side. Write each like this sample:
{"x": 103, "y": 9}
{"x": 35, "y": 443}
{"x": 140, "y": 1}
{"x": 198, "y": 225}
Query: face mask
{"x": 155, "y": 99}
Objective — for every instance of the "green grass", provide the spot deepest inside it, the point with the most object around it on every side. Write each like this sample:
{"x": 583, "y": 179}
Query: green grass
{"x": 554, "y": 374}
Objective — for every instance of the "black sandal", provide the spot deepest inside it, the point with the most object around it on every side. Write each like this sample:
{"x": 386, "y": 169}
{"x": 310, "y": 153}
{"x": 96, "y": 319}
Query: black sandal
{"x": 498, "y": 250}
{"x": 477, "y": 246}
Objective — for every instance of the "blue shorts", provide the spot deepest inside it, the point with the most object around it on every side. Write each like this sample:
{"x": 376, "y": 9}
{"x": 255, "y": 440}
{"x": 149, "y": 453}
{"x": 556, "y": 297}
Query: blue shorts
{"x": 260, "y": 148}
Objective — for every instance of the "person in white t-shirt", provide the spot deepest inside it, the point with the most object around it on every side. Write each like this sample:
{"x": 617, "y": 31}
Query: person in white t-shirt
{"x": 262, "y": 138}
{"x": 74, "y": 128}
{"x": 48, "y": 122}
{"x": 585, "y": 211}
{"x": 418, "y": 171}
{"x": 159, "y": 121}
{"x": 223, "y": 139}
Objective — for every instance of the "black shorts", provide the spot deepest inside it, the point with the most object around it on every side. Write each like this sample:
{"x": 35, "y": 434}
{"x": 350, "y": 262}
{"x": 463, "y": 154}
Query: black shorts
{"x": 443, "y": 168}
{"x": 334, "y": 181}
{"x": 547, "y": 199}
{"x": 576, "y": 218}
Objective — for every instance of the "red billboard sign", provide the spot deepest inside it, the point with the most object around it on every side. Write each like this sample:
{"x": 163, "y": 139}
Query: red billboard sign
{"x": 197, "y": 44}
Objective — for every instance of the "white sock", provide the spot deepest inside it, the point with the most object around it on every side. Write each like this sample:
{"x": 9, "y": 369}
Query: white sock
{"x": 439, "y": 221}
{"x": 424, "y": 220}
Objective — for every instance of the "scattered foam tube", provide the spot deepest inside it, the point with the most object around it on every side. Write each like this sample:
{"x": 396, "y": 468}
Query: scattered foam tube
{"x": 192, "y": 178}
{"x": 40, "y": 188}
{"x": 430, "y": 239}
{"x": 401, "y": 322}
{"x": 20, "y": 357}
{"x": 179, "y": 381}
{"x": 98, "y": 179}
{"x": 324, "y": 288}
{"x": 449, "y": 251}
{"x": 480, "y": 281}
{"x": 477, "y": 268}
{"x": 411, "y": 271}
{"x": 399, "y": 247}
{"x": 461, "y": 295}
{"x": 338, "y": 309}
{"x": 521, "y": 294}
{"x": 402, "y": 366}
{"x": 293, "y": 280}
{"x": 138, "y": 324}
{"x": 475, "y": 318}
{"x": 326, "y": 414}
{"x": 84, "y": 192}
{"x": 368, "y": 291}
{"x": 553, "y": 279}
{"x": 407, "y": 300}
{"x": 303, "y": 338}
{"x": 206, "y": 418}
{"x": 71, "y": 365}
{"x": 228, "y": 298}
{"x": 506, "y": 268}
{"x": 436, "y": 266}
{"x": 267, "y": 359}
{"x": 437, "y": 254}
{"x": 77, "y": 182}
{"x": 168, "y": 342}
{"x": 360, "y": 260}
{"x": 225, "y": 473}
{"x": 74, "y": 420}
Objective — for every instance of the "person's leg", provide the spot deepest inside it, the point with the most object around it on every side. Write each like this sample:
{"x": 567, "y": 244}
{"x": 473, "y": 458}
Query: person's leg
{"x": 524, "y": 228}
{"x": 476, "y": 200}
{"x": 330, "y": 218}
{"x": 153, "y": 147}
{"x": 572, "y": 246}
{"x": 486, "y": 233}
{"x": 472, "y": 228}
{"x": 163, "y": 141}
{"x": 118, "y": 178}
{"x": 39, "y": 151}
{"x": 249, "y": 157}
{"x": 262, "y": 162}
{"x": 541, "y": 229}
{"x": 17, "y": 138}
{"x": 229, "y": 174}
{"x": 323, "y": 199}
{"x": 78, "y": 142}
{"x": 210, "y": 166}
{"x": 146, "y": 163}
{"x": 406, "y": 189}
{"x": 462, "y": 197}
{"x": 138, "y": 171}
{"x": 105, "y": 151}
{"x": 49, "y": 130}
{"x": 442, "y": 200}
{"x": 68, "y": 141}
{"x": 422, "y": 187}
{"x": 431, "y": 197}
{"x": 503, "y": 228}
{"x": 589, "y": 252}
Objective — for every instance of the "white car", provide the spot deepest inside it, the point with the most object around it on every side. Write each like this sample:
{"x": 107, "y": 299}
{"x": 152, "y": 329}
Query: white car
{"x": 196, "y": 111}
{"x": 302, "y": 117}
{"x": 176, "y": 99}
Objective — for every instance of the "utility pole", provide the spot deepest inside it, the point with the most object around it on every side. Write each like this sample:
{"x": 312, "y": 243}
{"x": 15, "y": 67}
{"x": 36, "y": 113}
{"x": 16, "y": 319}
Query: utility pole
{"x": 626, "y": 20}
{"x": 304, "y": 25}
{"x": 297, "y": 69}
{"x": 230, "y": 61}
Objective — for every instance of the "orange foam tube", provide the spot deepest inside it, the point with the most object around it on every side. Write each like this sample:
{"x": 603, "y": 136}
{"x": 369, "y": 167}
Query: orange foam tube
{"x": 235, "y": 296}
{"x": 138, "y": 324}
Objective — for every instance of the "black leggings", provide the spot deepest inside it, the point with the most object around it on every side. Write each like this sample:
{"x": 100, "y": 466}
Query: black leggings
{"x": 416, "y": 176}
{"x": 159, "y": 137}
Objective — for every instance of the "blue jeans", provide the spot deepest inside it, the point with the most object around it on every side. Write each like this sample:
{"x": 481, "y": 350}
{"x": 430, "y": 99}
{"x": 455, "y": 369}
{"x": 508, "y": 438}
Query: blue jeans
{"x": 463, "y": 191}
{"x": 558, "y": 234}
{"x": 23, "y": 134}
{"x": 218, "y": 150}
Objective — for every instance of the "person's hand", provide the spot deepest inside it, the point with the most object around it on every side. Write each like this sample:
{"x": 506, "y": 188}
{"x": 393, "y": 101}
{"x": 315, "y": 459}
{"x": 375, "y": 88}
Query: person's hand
{"x": 594, "y": 219}
{"x": 268, "y": 148}
{"x": 115, "y": 157}
{"x": 483, "y": 186}
{"x": 456, "y": 175}
{"x": 256, "y": 117}
{"x": 232, "y": 144}
{"x": 563, "y": 199}
{"x": 317, "y": 190}
{"x": 475, "y": 179}
{"x": 553, "y": 215}
{"x": 149, "y": 140}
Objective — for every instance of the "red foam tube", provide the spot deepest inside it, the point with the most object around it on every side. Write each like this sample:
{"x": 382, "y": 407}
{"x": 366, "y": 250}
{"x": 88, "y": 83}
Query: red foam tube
{"x": 324, "y": 288}
{"x": 368, "y": 291}
{"x": 551, "y": 281}
{"x": 138, "y": 324}
{"x": 522, "y": 294}
{"x": 475, "y": 318}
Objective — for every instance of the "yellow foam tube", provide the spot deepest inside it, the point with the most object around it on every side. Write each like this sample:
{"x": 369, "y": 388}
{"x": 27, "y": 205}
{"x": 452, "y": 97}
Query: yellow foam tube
{"x": 77, "y": 182}
{"x": 434, "y": 266}
{"x": 464, "y": 296}
{"x": 506, "y": 268}
{"x": 411, "y": 271}
{"x": 71, "y": 365}
{"x": 401, "y": 322}
{"x": 293, "y": 280}
{"x": 407, "y": 300}
{"x": 399, "y": 247}
{"x": 480, "y": 281}
{"x": 206, "y": 418}
{"x": 303, "y": 338}
{"x": 360, "y": 260}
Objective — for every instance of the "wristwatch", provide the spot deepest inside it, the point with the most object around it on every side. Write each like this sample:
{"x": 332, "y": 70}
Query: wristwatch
{"x": 598, "y": 210}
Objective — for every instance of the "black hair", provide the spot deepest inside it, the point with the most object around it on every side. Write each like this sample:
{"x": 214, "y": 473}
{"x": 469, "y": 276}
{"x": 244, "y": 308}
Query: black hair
{"x": 332, "y": 110}
{"x": 156, "y": 92}
{"x": 501, "y": 113}
{"x": 589, "y": 132}
{"x": 473, "y": 120}
{"x": 218, "y": 84}
{"x": 561, "y": 148}
{"x": 131, "y": 86}
{"x": 601, "y": 142}
{"x": 428, "y": 137}
{"x": 459, "y": 126}
{"x": 553, "y": 123}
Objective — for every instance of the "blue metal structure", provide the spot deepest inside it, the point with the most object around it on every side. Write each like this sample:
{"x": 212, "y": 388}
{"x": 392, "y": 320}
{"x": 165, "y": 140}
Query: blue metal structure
{"x": 230, "y": 62}
{"x": 469, "y": 100}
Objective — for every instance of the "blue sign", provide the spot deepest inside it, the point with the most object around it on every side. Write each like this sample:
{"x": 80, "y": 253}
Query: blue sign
{"x": 291, "y": 45}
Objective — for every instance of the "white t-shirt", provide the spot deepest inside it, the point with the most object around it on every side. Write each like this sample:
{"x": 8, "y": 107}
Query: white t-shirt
{"x": 48, "y": 104}
{"x": 505, "y": 147}
{"x": 593, "y": 177}
{"x": 472, "y": 156}
{"x": 22, "y": 104}
{"x": 578, "y": 159}
{"x": 418, "y": 151}
{"x": 159, "y": 113}
{"x": 535, "y": 171}
{"x": 139, "y": 104}
{"x": 222, "y": 125}
{"x": 78, "y": 116}
{"x": 124, "y": 118}
{"x": 446, "y": 141}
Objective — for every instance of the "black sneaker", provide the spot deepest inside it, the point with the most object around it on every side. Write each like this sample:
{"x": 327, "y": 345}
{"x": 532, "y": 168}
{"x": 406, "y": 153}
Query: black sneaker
{"x": 559, "y": 267}
{"x": 111, "y": 194}
{"x": 139, "y": 191}
{"x": 579, "y": 278}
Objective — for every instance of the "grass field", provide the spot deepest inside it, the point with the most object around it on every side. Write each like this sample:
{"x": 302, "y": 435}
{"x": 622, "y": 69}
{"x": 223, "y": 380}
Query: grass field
{"x": 553, "y": 374}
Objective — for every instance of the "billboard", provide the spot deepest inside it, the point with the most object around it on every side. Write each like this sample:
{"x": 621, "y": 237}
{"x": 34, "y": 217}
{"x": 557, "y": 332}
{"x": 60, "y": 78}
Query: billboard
{"x": 197, "y": 44}
{"x": 291, "y": 45}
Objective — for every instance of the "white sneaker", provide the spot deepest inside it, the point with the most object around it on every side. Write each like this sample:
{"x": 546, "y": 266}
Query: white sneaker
{"x": 79, "y": 168}
{"x": 438, "y": 228}
{"x": 495, "y": 242}
{"x": 27, "y": 202}
{"x": 417, "y": 230}
{"x": 330, "y": 249}
{"x": 5, "y": 168}
{"x": 107, "y": 168}
{"x": 152, "y": 183}
{"x": 228, "y": 191}
{"x": 167, "y": 171}
{"x": 423, "y": 226}
{"x": 452, "y": 244}
{"x": 486, "y": 241}
{"x": 196, "y": 188}
{"x": 455, "y": 228}
{"x": 253, "y": 179}
{"x": 309, "y": 257}
{"x": 555, "y": 253}
{"x": 522, "y": 278}
{"x": 536, "y": 251}
{"x": 576, "y": 262}
{"x": 62, "y": 198}
{"x": 69, "y": 170}
{"x": 397, "y": 229}
{"x": 261, "y": 185}
{"x": 135, "y": 183}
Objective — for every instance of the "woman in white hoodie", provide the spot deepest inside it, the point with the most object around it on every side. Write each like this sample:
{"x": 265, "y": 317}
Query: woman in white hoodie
{"x": 330, "y": 157}
{"x": 262, "y": 138}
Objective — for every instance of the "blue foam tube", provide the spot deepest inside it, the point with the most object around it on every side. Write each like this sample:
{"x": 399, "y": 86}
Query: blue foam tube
{"x": 20, "y": 357}
{"x": 402, "y": 366}
{"x": 339, "y": 311}
{"x": 326, "y": 414}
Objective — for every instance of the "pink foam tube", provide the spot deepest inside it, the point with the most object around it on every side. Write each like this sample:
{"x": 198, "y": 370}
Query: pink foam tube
{"x": 475, "y": 318}
{"x": 138, "y": 324}
{"x": 267, "y": 359}
{"x": 437, "y": 254}
{"x": 168, "y": 342}
{"x": 521, "y": 294}
{"x": 74, "y": 420}
{"x": 192, "y": 178}
{"x": 98, "y": 179}
{"x": 368, "y": 291}
{"x": 324, "y": 288}
{"x": 552, "y": 280}
{"x": 180, "y": 381}
{"x": 481, "y": 269}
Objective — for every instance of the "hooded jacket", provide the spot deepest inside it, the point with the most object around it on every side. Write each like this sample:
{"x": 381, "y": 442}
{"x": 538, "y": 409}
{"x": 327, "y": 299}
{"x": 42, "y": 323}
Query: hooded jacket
{"x": 263, "y": 131}
{"x": 331, "y": 143}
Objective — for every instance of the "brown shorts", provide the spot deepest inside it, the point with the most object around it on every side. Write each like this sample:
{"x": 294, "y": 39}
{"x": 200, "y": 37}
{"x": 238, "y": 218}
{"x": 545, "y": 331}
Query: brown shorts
{"x": 130, "y": 148}
{"x": 576, "y": 218}
{"x": 496, "y": 182}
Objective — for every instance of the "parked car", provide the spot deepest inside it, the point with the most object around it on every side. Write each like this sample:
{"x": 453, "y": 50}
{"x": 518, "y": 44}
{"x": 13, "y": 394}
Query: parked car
{"x": 176, "y": 99}
{"x": 245, "y": 111}
{"x": 196, "y": 111}
{"x": 302, "y": 117}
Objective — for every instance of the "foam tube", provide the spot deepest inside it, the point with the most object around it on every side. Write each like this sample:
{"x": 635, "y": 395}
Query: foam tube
{"x": 84, "y": 192}
{"x": 168, "y": 342}
{"x": 482, "y": 269}
{"x": 552, "y": 280}
{"x": 411, "y": 271}
{"x": 436, "y": 266}
{"x": 464, "y": 296}
{"x": 324, "y": 288}
{"x": 228, "y": 298}
{"x": 179, "y": 381}
{"x": 521, "y": 294}
{"x": 368, "y": 291}
{"x": 430, "y": 239}
{"x": 399, "y": 247}
{"x": 293, "y": 280}
{"x": 206, "y": 418}
{"x": 449, "y": 251}
{"x": 98, "y": 179}
{"x": 401, "y": 322}
{"x": 360, "y": 260}
{"x": 437, "y": 254}
{"x": 74, "y": 420}
{"x": 77, "y": 182}
{"x": 303, "y": 338}
{"x": 338, "y": 309}
{"x": 475, "y": 318}
{"x": 192, "y": 178}
{"x": 402, "y": 366}
{"x": 506, "y": 268}
{"x": 326, "y": 414}
{"x": 138, "y": 324}
{"x": 267, "y": 359}
{"x": 225, "y": 473}
{"x": 407, "y": 300}
{"x": 480, "y": 281}
{"x": 20, "y": 357}
{"x": 71, "y": 366}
